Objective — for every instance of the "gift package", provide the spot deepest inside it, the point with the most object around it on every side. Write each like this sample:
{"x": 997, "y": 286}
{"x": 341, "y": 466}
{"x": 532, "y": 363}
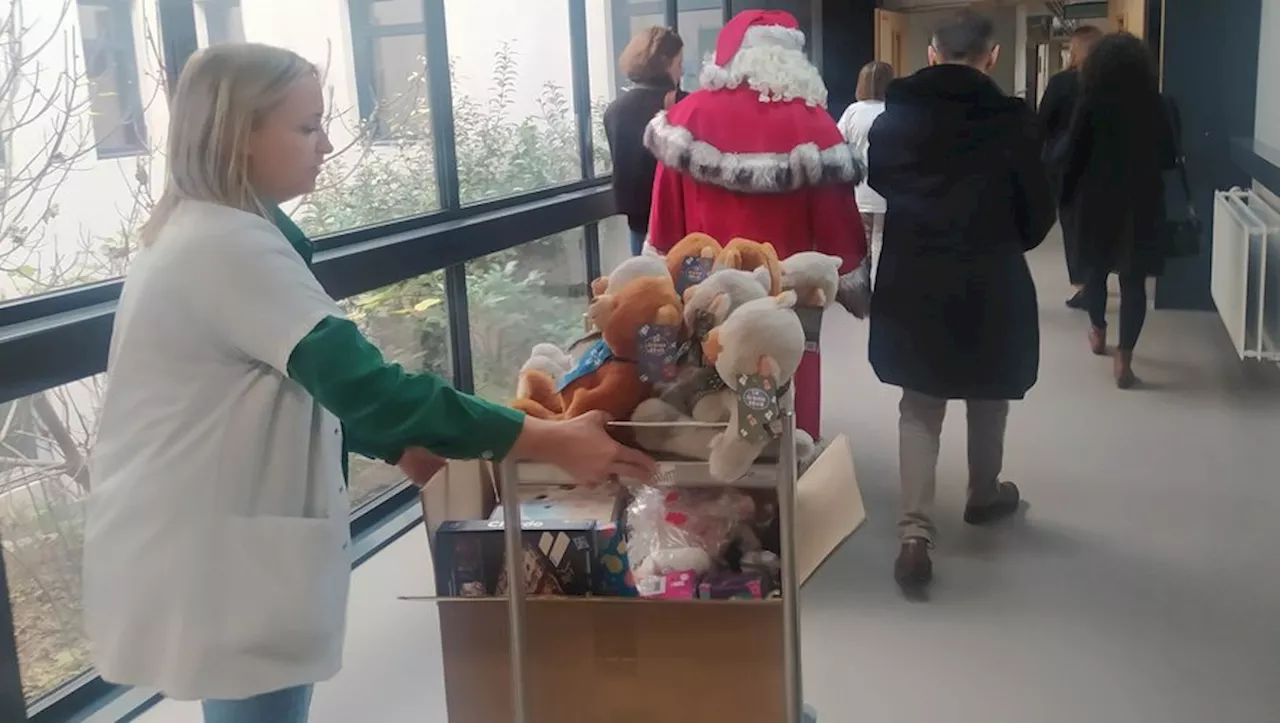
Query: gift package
{"x": 650, "y": 542}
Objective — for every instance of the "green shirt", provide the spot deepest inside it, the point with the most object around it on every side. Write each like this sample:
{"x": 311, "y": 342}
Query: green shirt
{"x": 383, "y": 408}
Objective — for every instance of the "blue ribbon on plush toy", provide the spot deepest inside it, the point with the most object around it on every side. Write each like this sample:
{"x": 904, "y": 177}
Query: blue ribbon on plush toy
{"x": 597, "y": 356}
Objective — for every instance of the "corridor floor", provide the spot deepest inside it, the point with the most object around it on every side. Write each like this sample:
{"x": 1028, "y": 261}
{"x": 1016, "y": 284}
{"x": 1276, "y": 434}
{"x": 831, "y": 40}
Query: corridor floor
{"x": 1139, "y": 587}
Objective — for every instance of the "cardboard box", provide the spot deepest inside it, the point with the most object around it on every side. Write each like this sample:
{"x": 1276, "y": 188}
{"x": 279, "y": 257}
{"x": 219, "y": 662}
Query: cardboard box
{"x": 630, "y": 660}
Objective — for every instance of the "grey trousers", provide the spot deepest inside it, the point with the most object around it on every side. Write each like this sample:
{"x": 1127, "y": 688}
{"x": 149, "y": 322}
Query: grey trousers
{"x": 919, "y": 438}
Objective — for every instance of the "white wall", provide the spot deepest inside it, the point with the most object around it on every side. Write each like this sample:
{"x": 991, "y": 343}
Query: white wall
{"x": 1267, "y": 121}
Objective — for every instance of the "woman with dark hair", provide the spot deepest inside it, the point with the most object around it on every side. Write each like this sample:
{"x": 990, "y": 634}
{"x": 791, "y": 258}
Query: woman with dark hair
{"x": 653, "y": 61}
{"x": 1119, "y": 144}
{"x": 1056, "y": 107}
{"x": 855, "y": 125}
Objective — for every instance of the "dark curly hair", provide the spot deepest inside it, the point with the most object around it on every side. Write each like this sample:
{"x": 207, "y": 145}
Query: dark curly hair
{"x": 1119, "y": 65}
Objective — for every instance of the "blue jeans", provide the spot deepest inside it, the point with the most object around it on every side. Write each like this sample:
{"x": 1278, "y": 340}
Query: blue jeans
{"x": 291, "y": 705}
{"x": 637, "y": 242}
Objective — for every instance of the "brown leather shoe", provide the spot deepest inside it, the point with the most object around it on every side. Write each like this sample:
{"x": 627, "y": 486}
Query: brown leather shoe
{"x": 1125, "y": 378}
{"x": 1098, "y": 341}
{"x": 914, "y": 569}
{"x": 1007, "y": 502}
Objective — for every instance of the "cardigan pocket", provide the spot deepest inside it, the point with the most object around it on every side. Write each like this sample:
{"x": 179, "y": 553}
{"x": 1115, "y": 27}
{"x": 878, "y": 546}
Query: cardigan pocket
{"x": 284, "y": 598}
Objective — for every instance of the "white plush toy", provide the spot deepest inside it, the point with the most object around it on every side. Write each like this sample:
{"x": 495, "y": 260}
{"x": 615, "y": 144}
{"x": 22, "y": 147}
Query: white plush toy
{"x": 722, "y": 293}
{"x": 763, "y": 337}
{"x": 636, "y": 267}
{"x": 549, "y": 359}
{"x": 815, "y": 277}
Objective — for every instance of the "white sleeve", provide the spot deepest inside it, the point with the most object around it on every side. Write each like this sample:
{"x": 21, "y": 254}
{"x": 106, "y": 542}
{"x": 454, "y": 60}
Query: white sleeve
{"x": 256, "y": 293}
{"x": 846, "y": 123}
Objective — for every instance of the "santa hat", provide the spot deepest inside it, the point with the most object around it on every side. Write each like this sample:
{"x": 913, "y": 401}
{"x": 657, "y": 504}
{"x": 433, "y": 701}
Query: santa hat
{"x": 765, "y": 50}
{"x": 758, "y": 28}
{"x": 759, "y": 60}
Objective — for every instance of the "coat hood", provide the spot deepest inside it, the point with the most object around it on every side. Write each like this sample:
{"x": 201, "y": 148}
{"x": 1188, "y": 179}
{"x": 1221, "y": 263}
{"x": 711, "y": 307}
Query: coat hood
{"x": 941, "y": 103}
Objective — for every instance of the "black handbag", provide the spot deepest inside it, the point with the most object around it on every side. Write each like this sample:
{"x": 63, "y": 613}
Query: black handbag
{"x": 1181, "y": 233}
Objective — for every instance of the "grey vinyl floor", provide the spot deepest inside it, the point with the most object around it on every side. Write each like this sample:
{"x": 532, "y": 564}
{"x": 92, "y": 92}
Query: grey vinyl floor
{"x": 1141, "y": 586}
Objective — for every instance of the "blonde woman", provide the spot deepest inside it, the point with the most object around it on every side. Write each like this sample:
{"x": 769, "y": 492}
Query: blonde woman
{"x": 216, "y": 564}
{"x": 855, "y": 125}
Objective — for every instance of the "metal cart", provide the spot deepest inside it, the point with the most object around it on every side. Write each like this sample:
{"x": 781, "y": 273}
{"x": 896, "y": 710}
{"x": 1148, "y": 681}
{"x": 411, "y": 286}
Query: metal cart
{"x": 780, "y": 475}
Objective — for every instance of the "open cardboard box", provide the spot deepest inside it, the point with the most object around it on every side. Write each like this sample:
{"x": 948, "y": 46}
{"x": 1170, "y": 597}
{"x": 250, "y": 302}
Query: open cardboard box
{"x": 627, "y": 660}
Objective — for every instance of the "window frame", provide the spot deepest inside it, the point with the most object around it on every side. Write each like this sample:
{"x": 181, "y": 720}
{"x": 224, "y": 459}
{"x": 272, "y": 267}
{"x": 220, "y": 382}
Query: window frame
{"x": 127, "y": 75}
{"x": 63, "y": 335}
{"x": 218, "y": 15}
{"x": 366, "y": 34}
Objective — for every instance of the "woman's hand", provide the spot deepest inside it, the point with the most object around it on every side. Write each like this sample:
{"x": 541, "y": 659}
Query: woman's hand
{"x": 582, "y": 448}
{"x": 420, "y": 465}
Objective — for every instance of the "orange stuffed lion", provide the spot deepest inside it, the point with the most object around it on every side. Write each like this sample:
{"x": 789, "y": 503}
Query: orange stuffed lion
{"x": 608, "y": 378}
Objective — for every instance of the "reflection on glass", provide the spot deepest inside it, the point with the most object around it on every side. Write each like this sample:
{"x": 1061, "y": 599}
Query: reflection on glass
{"x": 409, "y": 323}
{"x": 615, "y": 242}
{"x": 512, "y": 96}
{"x": 521, "y": 297}
{"x": 396, "y": 12}
{"x": 45, "y": 442}
{"x": 700, "y": 22}
{"x": 607, "y": 35}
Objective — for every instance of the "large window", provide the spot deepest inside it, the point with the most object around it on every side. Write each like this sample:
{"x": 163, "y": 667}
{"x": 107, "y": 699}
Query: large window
{"x": 512, "y": 96}
{"x": 610, "y": 26}
{"x": 83, "y": 127}
{"x": 45, "y": 441}
{"x": 409, "y": 322}
{"x": 699, "y": 23}
{"x": 528, "y": 295}
{"x": 390, "y": 47}
{"x": 111, "y": 67}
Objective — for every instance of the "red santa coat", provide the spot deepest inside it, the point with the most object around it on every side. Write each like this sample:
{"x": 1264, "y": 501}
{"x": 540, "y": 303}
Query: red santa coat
{"x": 756, "y": 193}
{"x": 757, "y": 157}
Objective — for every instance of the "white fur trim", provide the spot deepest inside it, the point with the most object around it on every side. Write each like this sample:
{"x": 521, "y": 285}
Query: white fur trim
{"x": 771, "y": 63}
{"x": 805, "y": 165}
{"x": 759, "y": 36}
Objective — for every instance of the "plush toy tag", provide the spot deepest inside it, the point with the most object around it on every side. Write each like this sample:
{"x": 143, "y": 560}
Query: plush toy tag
{"x": 759, "y": 417}
{"x": 659, "y": 346}
{"x": 811, "y": 320}
{"x": 596, "y": 357}
{"x": 693, "y": 271}
{"x": 691, "y": 352}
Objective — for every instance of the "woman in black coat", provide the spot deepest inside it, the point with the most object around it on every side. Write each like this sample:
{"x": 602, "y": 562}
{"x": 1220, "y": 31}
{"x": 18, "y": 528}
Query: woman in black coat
{"x": 1056, "y": 108}
{"x": 1119, "y": 146}
{"x": 653, "y": 61}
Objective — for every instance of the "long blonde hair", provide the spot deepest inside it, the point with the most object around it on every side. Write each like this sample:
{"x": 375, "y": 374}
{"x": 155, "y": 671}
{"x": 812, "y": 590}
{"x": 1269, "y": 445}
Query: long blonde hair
{"x": 224, "y": 91}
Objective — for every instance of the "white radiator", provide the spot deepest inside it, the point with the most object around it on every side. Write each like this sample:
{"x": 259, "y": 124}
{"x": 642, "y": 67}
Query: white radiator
{"x": 1246, "y": 272}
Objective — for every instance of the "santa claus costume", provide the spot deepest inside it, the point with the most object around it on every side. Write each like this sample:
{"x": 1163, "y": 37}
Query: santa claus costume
{"x": 754, "y": 154}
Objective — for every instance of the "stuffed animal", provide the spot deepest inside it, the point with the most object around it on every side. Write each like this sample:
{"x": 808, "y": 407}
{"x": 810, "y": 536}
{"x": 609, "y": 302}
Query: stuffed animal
{"x": 722, "y": 292}
{"x": 762, "y": 340}
{"x": 815, "y": 277}
{"x": 633, "y": 268}
{"x": 759, "y": 345}
{"x": 612, "y": 376}
{"x": 679, "y": 434}
{"x": 550, "y": 361}
{"x": 746, "y": 255}
{"x": 676, "y": 530}
{"x": 691, "y": 260}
